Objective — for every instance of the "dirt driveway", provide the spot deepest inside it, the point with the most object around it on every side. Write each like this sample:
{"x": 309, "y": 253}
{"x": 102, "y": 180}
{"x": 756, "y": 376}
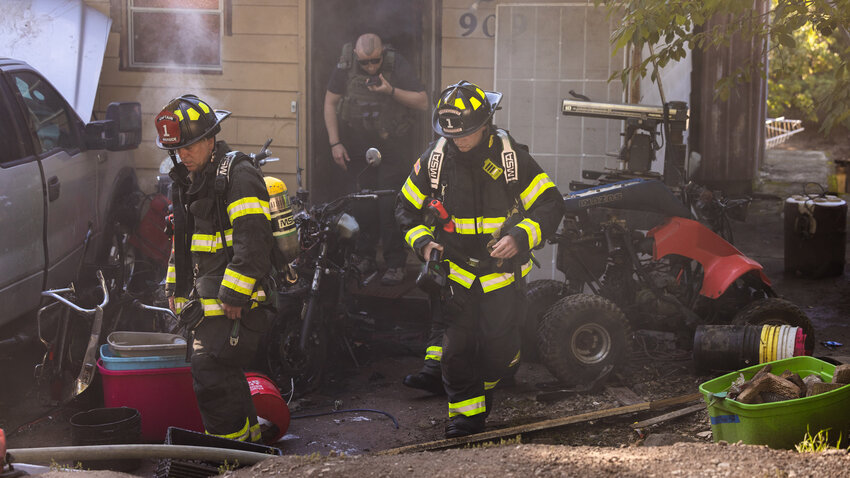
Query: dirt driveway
{"x": 605, "y": 447}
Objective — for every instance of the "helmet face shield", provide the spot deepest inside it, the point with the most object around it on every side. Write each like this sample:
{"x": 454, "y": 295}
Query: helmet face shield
{"x": 463, "y": 108}
{"x": 185, "y": 121}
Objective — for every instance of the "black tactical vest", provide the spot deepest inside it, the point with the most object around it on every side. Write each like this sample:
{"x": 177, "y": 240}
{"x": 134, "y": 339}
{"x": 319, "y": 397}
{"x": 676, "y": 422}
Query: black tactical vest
{"x": 363, "y": 110}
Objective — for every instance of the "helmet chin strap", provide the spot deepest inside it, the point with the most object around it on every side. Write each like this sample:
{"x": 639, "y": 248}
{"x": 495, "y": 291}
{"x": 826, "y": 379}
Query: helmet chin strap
{"x": 173, "y": 157}
{"x": 179, "y": 173}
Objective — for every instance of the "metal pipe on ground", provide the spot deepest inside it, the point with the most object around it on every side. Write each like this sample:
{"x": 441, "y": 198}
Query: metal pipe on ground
{"x": 47, "y": 455}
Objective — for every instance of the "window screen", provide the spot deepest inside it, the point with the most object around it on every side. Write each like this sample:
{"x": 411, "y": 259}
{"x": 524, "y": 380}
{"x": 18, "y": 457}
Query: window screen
{"x": 182, "y": 34}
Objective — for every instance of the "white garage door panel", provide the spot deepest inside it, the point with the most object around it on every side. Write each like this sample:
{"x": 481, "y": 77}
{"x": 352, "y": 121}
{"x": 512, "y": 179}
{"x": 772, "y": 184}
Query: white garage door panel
{"x": 542, "y": 52}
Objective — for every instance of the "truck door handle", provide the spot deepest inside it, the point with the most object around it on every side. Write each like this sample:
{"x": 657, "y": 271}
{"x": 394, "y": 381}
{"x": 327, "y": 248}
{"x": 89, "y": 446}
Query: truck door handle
{"x": 53, "y": 188}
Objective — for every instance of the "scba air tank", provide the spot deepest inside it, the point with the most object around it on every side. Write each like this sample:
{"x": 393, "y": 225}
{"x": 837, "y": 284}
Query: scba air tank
{"x": 283, "y": 224}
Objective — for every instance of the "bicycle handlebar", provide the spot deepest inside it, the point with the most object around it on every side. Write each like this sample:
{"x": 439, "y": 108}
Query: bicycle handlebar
{"x": 54, "y": 293}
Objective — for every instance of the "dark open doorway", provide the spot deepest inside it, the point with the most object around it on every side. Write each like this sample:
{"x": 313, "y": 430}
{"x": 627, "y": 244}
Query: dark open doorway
{"x": 410, "y": 26}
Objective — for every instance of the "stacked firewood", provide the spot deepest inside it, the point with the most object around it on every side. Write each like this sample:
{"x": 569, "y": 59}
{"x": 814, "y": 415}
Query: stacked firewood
{"x": 766, "y": 387}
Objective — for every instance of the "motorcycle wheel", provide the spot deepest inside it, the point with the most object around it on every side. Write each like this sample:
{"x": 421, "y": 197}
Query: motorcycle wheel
{"x": 540, "y": 296}
{"x": 580, "y": 336}
{"x": 775, "y": 311}
{"x": 295, "y": 370}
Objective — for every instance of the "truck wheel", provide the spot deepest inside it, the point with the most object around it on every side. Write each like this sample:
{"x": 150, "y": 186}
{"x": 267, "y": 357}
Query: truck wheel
{"x": 539, "y": 296}
{"x": 775, "y": 311}
{"x": 580, "y": 335}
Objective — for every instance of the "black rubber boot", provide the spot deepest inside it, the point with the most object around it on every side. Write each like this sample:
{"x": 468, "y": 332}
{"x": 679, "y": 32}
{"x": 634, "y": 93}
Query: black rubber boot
{"x": 425, "y": 381}
{"x": 461, "y": 426}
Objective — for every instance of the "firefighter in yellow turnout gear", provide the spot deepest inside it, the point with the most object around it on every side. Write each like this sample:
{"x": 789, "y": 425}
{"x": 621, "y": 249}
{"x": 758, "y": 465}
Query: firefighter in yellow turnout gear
{"x": 220, "y": 261}
{"x": 488, "y": 184}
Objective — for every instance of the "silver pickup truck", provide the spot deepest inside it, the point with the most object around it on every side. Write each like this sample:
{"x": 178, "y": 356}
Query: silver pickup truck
{"x": 66, "y": 188}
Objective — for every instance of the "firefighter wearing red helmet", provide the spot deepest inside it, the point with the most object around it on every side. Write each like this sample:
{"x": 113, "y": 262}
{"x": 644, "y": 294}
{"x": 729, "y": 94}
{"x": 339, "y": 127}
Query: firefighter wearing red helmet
{"x": 502, "y": 205}
{"x": 220, "y": 261}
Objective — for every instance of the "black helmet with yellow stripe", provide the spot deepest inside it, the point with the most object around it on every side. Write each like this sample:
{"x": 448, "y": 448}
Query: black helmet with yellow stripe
{"x": 463, "y": 108}
{"x": 185, "y": 121}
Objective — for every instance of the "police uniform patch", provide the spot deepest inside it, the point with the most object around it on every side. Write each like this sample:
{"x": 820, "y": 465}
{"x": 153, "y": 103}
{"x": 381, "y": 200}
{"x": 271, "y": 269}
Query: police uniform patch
{"x": 416, "y": 167}
{"x": 491, "y": 169}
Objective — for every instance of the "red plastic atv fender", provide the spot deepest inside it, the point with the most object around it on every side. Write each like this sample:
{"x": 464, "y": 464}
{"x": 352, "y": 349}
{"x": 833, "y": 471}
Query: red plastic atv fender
{"x": 722, "y": 262}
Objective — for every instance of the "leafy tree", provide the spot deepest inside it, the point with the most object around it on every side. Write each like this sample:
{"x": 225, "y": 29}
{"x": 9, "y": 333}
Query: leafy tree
{"x": 670, "y": 28}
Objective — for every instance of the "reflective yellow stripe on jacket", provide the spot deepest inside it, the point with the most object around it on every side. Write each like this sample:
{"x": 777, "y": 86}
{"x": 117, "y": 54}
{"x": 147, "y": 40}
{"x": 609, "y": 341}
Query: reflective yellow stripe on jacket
{"x": 540, "y": 183}
{"x": 238, "y": 282}
{"x": 460, "y": 275}
{"x": 532, "y": 230}
{"x": 210, "y": 242}
{"x": 413, "y": 194}
{"x": 179, "y": 303}
{"x": 489, "y": 282}
{"x": 213, "y": 307}
{"x": 415, "y": 233}
{"x": 496, "y": 281}
{"x": 248, "y": 205}
{"x": 171, "y": 275}
{"x": 478, "y": 225}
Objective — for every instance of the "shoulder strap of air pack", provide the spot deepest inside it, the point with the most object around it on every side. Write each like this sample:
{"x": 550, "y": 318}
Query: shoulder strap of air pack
{"x": 509, "y": 161}
{"x": 435, "y": 164}
{"x": 220, "y": 187}
{"x": 508, "y": 158}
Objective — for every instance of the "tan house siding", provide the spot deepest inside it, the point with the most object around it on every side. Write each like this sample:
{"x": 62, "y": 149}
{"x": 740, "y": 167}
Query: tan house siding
{"x": 263, "y": 73}
{"x": 265, "y": 70}
{"x": 472, "y": 56}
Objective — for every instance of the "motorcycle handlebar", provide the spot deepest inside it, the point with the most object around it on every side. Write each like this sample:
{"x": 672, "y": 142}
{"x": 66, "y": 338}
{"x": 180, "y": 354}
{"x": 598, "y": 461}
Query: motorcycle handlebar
{"x": 343, "y": 201}
{"x": 367, "y": 194}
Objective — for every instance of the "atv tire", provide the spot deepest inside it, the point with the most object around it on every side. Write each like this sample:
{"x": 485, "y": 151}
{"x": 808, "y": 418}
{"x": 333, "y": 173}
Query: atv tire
{"x": 580, "y": 336}
{"x": 775, "y": 311}
{"x": 540, "y": 296}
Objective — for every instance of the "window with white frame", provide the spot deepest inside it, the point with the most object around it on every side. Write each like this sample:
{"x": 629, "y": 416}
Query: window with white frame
{"x": 181, "y": 34}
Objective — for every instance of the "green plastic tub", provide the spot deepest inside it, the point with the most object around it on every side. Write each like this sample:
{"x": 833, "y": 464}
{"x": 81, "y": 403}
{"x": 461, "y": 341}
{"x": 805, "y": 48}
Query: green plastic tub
{"x": 778, "y": 424}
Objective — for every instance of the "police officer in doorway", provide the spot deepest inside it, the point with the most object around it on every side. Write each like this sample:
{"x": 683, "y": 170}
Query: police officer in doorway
{"x": 220, "y": 262}
{"x": 502, "y": 205}
{"x": 371, "y": 99}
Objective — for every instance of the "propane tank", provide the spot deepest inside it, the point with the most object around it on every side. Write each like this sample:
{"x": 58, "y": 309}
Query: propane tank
{"x": 283, "y": 224}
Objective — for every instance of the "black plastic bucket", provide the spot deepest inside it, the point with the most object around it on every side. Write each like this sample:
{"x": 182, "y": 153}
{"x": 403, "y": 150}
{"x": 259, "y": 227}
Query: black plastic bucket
{"x": 107, "y": 426}
{"x": 815, "y": 236}
{"x": 726, "y": 347}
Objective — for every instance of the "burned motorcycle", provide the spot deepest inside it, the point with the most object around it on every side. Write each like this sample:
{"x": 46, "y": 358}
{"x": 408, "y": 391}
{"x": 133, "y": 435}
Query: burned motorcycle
{"x": 647, "y": 266}
{"x": 313, "y": 296}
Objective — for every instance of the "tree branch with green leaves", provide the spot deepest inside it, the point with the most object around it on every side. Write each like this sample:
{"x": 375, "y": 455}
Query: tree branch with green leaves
{"x": 674, "y": 28}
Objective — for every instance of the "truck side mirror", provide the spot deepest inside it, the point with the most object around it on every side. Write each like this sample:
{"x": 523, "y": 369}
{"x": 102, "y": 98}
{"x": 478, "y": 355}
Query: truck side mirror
{"x": 121, "y": 130}
{"x": 128, "y": 119}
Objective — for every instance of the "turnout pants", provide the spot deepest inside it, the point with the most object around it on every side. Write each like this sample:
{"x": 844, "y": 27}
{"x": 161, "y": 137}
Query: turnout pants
{"x": 480, "y": 344}
{"x": 221, "y": 388}
{"x": 434, "y": 347}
